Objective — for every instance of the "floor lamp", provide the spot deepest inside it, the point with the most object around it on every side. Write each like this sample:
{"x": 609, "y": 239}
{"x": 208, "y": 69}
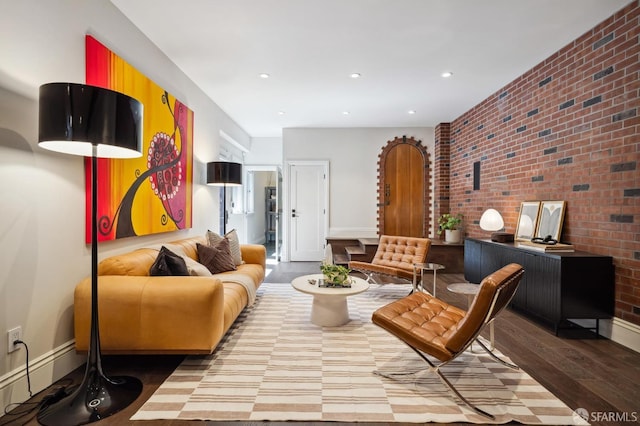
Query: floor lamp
{"x": 223, "y": 173}
{"x": 92, "y": 122}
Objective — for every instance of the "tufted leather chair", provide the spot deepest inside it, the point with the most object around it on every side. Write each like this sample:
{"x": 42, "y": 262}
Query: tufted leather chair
{"x": 395, "y": 257}
{"x": 433, "y": 327}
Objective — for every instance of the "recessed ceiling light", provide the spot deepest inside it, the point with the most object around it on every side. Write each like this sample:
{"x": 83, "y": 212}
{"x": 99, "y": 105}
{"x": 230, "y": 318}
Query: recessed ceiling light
{"x": 412, "y": 111}
{"x": 446, "y": 74}
{"x": 355, "y": 75}
{"x": 345, "y": 112}
{"x": 264, "y": 75}
{"x": 281, "y": 112}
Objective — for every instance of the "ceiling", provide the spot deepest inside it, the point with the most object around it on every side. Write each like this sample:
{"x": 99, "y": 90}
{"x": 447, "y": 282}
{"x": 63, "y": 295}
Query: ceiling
{"x": 310, "y": 48}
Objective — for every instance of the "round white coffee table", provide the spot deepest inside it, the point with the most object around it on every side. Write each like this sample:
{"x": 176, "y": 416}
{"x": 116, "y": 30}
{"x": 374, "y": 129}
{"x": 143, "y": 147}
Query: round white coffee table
{"x": 329, "y": 307}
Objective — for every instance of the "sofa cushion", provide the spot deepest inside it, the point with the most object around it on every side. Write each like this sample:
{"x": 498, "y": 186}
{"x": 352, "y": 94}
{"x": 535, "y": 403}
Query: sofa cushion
{"x": 137, "y": 262}
{"x": 216, "y": 258}
{"x": 234, "y": 243}
{"x": 168, "y": 263}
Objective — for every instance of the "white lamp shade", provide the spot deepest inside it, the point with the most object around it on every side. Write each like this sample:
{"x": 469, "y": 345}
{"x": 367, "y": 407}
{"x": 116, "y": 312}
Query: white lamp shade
{"x": 491, "y": 220}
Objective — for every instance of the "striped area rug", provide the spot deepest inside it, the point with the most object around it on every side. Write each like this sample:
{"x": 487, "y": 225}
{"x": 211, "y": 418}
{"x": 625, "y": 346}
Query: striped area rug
{"x": 275, "y": 365}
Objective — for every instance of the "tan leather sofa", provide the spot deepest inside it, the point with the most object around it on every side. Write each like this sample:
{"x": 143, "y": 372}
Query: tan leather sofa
{"x": 142, "y": 314}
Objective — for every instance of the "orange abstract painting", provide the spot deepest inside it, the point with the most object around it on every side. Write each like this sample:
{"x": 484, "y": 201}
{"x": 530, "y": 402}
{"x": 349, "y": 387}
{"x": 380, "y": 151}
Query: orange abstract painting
{"x": 153, "y": 193}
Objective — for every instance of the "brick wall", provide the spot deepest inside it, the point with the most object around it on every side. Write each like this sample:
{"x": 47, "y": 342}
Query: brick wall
{"x": 569, "y": 129}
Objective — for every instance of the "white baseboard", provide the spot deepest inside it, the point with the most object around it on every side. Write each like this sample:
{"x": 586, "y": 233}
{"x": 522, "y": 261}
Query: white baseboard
{"x": 623, "y": 332}
{"x": 43, "y": 371}
{"x": 618, "y": 330}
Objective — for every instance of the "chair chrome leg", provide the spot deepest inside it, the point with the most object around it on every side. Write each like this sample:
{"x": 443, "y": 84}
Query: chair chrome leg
{"x": 459, "y": 395}
{"x": 392, "y": 376}
{"x": 436, "y": 369}
{"x": 369, "y": 276}
{"x": 501, "y": 361}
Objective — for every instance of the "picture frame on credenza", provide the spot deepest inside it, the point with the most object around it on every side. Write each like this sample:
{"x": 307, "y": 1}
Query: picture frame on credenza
{"x": 550, "y": 220}
{"x": 527, "y": 220}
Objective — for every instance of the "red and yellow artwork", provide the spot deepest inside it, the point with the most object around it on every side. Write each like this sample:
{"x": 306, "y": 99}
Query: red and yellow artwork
{"x": 153, "y": 193}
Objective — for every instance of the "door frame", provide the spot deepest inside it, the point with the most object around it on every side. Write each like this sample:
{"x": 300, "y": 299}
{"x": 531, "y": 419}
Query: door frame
{"x": 286, "y": 208}
{"x": 426, "y": 200}
{"x": 266, "y": 168}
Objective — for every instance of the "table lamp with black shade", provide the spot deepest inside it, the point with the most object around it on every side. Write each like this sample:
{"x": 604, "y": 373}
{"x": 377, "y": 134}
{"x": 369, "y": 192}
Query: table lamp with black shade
{"x": 93, "y": 122}
{"x": 224, "y": 173}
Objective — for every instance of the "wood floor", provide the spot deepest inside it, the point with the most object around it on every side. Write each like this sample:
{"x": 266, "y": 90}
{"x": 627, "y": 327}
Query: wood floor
{"x": 595, "y": 374}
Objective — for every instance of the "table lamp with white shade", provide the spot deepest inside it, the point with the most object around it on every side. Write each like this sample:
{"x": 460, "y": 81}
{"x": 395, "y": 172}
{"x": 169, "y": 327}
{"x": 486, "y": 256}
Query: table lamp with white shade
{"x": 491, "y": 220}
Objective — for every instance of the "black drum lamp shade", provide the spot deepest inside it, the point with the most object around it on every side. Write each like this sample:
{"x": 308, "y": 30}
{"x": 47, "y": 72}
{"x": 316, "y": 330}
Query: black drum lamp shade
{"x": 92, "y": 122}
{"x": 223, "y": 173}
{"x": 74, "y": 118}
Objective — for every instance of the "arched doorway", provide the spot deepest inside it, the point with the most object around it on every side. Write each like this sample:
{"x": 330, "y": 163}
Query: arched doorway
{"x": 403, "y": 189}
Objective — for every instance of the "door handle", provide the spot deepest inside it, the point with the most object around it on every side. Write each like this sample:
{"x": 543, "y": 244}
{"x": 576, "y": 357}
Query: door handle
{"x": 293, "y": 213}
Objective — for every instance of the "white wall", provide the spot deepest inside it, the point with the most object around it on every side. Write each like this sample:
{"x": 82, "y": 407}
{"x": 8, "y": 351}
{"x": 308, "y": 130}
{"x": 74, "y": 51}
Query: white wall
{"x": 353, "y": 170}
{"x": 265, "y": 151}
{"x": 43, "y": 204}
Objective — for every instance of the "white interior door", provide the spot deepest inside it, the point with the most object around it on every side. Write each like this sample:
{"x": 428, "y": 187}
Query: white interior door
{"x": 308, "y": 209}
{"x": 279, "y": 222}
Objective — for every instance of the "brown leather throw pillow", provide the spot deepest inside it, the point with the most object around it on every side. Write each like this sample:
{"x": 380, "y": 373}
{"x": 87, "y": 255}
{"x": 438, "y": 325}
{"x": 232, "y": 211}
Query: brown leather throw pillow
{"x": 216, "y": 258}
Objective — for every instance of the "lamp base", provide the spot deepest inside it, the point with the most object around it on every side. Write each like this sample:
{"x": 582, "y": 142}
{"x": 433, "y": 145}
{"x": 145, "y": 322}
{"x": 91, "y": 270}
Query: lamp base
{"x": 502, "y": 237}
{"x": 93, "y": 400}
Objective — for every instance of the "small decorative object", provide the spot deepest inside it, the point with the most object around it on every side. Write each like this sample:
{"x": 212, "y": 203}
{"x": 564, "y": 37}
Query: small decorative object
{"x": 528, "y": 220}
{"x": 335, "y": 275}
{"x": 551, "y": 219}
{"x": 451, "y": 225}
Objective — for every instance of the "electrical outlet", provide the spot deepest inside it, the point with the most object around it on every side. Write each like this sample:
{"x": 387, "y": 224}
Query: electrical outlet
{"x": 13, "y": 335}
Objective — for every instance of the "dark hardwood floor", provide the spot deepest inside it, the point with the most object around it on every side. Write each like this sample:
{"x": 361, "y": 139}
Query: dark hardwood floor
{"x": 595, "y": 374}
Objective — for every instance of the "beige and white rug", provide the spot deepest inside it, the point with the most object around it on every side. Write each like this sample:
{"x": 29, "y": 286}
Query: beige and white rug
{"x": 275, "y": 365}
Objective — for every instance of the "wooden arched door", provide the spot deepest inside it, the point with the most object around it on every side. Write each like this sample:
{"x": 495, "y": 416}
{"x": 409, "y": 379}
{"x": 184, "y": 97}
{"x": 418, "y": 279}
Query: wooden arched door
{"x": 403, "y": 189}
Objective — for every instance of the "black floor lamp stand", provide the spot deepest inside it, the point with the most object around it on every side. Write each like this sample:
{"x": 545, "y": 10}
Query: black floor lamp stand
{"x": 98, "y": 396}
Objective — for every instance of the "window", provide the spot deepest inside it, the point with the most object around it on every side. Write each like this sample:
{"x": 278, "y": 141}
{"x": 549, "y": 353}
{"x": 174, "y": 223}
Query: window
{"x": 249, "y": 193}
{"x": 235, "y": 199}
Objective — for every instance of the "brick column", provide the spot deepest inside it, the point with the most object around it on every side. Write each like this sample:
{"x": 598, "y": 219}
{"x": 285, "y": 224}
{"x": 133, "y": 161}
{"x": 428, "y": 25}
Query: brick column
{"x": 441, "y": 164}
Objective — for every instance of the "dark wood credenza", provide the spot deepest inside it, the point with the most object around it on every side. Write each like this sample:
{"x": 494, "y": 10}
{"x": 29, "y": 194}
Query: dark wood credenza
{"x": 556, "y": 287}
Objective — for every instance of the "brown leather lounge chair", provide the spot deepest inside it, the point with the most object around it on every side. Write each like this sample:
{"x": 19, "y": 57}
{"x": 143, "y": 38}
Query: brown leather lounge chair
{"x": 394, "y": 257}
{"x": 432, "y": 327}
